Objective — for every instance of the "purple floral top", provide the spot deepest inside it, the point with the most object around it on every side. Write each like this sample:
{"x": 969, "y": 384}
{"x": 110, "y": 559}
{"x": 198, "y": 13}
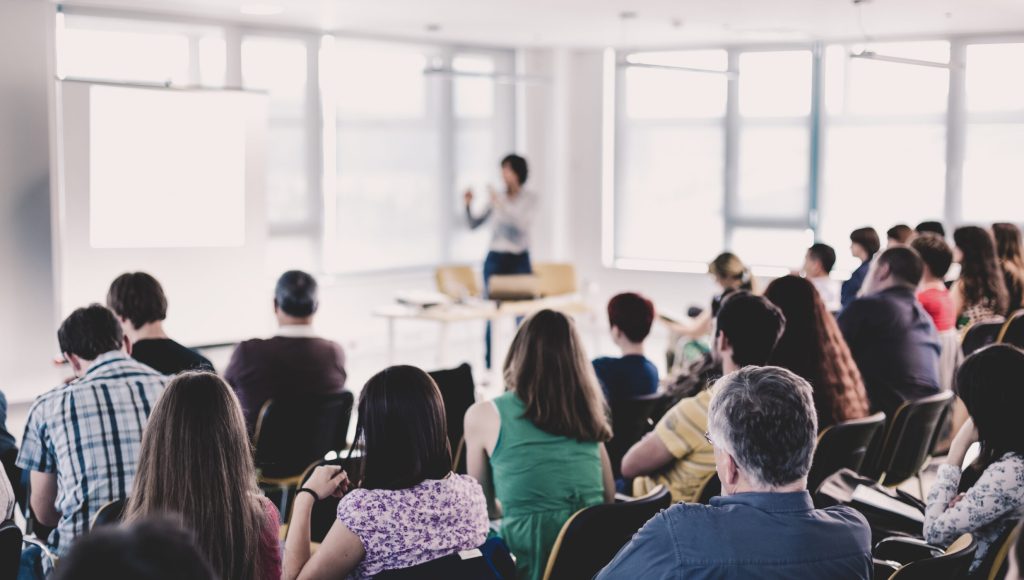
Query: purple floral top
{"x": 405, "y": 527}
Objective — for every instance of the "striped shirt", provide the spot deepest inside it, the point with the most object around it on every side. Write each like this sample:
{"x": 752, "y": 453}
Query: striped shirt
{"x": 682, "y": 431}
{"x": 89, "y": 433}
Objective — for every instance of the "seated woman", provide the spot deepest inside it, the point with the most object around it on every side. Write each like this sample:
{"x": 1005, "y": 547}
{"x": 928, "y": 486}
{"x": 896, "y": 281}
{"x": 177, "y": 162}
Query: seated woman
{"x": 980, "y": 293}
{"x": 196, "y": 462}
{"x": 813, "y": 347}
{"x": 408, "y": 507}
{"x": 538, "y": 449}
{"x": 989, "y": 383}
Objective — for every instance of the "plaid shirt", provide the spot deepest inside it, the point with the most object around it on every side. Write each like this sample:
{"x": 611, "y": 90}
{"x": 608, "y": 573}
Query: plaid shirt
{"x": 89, "y": 432}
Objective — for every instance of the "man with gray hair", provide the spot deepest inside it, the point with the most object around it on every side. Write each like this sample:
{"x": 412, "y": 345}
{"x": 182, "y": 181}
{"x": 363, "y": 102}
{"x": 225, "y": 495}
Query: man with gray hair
{"x": 763, "y": 427}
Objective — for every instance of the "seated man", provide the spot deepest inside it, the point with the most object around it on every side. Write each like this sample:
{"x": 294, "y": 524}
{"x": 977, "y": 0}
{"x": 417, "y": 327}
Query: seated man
{"x": 818, "y": 265}
{"x": 82, "y": 439}
{"x": 631, "y": 375}
{"x": 295, "y": 361}
{"x": 138, "y": 301}
{"x": 676, "y": 454}
{"x": 891, "y": 337}
{"x": 763, "y": 426}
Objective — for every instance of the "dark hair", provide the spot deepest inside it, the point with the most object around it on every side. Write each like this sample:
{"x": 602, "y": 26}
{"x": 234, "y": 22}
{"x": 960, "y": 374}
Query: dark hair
{"x": 824, "y": 254}
{"x": 152, "y": 549}
{"x": 631, "y": 313}
{"x": 981, "y": 276}
{"x": 866, "y": 238}
{"x": 89, "y": 332}
{"x": 813, "y": 347}
{"x": 931, "y": 227}
{"x": 402, "y": 430}
{"x": 518, "y": 166}
{"x": 900, "y": 233}
{"x": 989, "y": 384}
{"x": 296, "y": 294}
{"x": 935, "y": 253}
{"x": 138, "y": 297}
{"x": 1008, "y": 248}
{"x": 904, "y": 264}
{"x": 753, "y": 326}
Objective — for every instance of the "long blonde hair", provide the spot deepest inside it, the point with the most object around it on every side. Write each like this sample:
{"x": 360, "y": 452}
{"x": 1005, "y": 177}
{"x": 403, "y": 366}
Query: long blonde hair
{"x": 196, "y": 464}
{"x": 549, "y": 371}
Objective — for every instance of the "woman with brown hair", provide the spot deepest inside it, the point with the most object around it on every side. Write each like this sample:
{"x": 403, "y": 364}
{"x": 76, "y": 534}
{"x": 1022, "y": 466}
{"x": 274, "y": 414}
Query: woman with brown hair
{"x": 196, "y": 464}
{"x": 980, "y": 293}
{"x": 1011, "y": 257}
{"x": 813, "y": 347}
{"x": 538, "y": 450}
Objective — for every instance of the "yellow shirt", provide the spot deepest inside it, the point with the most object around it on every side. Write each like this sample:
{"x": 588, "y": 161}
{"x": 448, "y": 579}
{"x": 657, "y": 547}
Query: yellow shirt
{"x": 682, "y": 431}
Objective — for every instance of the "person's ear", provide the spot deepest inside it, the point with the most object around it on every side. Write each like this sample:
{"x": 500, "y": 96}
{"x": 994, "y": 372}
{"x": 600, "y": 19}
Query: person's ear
{"x": 74, "y": 361}
{"x": 883, "y": 272}
{"x": 722, "y": 343}
{"x": 276, "y": 307}
{"x": 730, "y": 473}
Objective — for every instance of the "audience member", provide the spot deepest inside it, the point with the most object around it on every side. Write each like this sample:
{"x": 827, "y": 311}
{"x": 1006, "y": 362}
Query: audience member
{"x": 9, "y": 454}
{"x": 538, "y": 449}
{"x": 139, "y": 302}
{"x": 813, "y": 347}
{"x": 631, "y": 375}
{"x": 676, "y": 454}
{"x": 931, "y": 227}
{"x": 1011, "y": 258}
{"x": 295, "y": 362}
{"x": 154, "y": 549}
{"x": 196, "y": 462}
{"x": 899, "y": 235}
{"x": 818, "y": 265}
{"x": 81, "y": 440}
{"x": 409, "y": 507}
{"x": 731, "y": 275}
{"x": 980, "y": 293}
{"x": 932, "y": 292}
{"x": 864, "y": 244}
{"x": 989, "y": 384}
{"x": 8, "y": 502}
{"x": 891, "y": 336}
{"x": 762, "y": 425}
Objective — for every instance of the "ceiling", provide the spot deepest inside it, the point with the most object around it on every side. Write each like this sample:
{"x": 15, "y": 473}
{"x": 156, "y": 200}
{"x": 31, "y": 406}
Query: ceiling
{"x": 594, "y": 23}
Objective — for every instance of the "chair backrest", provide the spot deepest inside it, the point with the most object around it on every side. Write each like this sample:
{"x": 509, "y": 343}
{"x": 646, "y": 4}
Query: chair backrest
{"x": 909, "y": 436}
{"x": 491, "y": 561}
{"x": 994, "y": 565}
{"x": 1013, "y": 331}
{"x": 291, "y": 433}
{"x": 457, "y": 281}
{"x": 631, "y": 420}
{"x": 981, "y": 334}
{"x": 843, "y": 445}
{"x": 592, "y": 536}
{"x": 951, "y": 565}
{"x": 109, "y": 513}
{"x": 556, "y": 279}
{"x": 10, "y": 549}
{"x": 458, "y": 393}
{"x": 325, "y": 511}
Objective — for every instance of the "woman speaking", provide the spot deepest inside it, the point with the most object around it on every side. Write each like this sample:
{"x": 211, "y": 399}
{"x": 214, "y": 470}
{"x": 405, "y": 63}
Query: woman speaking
{"x": 513, "y": 213}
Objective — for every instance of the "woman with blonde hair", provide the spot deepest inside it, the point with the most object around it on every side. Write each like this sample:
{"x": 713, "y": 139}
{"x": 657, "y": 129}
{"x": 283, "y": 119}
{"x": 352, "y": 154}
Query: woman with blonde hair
{"x": 538, "y": 449}
{"x": 196, "y": 465}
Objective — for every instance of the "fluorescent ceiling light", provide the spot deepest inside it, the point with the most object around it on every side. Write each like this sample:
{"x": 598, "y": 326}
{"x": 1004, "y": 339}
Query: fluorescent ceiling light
{"x": 872, "y": 55}
{"x": 261, "y": 9}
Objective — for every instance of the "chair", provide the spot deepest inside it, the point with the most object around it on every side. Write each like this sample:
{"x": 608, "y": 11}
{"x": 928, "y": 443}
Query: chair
{"x": 109, "y": 513}
{"x": 10, "y": 549}
{"x": 457, "y": 281}
{"x": 994, "y": 565}
{"x": 325, "y": 511}
{"x": 458, "y": 391}
{"x": 491, "y": 561}
{"x": 914, "y": 559}
{"x": 709, "y": 488}
{"x": 843, "y": 445}
{"x": 592, "y": 536}
{"x": 908, "y": 440}
{"x": 292, "y": 433}
{"x": 631, "y": 420}
{"x": 1013, "y": 331}
{"x": 556, "y": 279}
{"x": 981, "y": 334}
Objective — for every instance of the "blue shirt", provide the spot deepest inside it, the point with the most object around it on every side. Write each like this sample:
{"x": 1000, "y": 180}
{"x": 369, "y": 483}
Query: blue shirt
{"x": 852, "y": 286}
{"x": 626, "y": 378}
{"x": 748, "y": 535}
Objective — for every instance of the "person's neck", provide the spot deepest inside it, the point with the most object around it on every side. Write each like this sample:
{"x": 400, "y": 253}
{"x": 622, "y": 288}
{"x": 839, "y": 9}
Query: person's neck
{"x": 932, "y": 283}
{"x": 744, "y": 486}
{"x": 728, "y": 366}
{"x": 631, "y": 348}
{"x": 148, "y": 331}
{"x": 513, "y": 190}
{"x": 285, "y": 320}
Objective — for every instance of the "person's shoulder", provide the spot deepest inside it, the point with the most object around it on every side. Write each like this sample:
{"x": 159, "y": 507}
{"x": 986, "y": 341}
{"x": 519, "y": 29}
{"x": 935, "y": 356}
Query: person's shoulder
{"x": 851, "y": 520}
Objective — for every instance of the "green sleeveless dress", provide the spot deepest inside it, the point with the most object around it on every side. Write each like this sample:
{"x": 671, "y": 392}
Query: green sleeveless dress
{"x": 541, "y": 480}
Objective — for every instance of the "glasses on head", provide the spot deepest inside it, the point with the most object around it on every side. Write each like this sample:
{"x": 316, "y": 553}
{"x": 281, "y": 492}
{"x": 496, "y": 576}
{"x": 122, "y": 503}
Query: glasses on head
{"x": 708, "y": 437}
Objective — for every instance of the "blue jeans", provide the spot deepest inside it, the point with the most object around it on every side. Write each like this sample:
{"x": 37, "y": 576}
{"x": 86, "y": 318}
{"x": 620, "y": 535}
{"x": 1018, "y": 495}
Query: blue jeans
{"x": 31, "y": 564}
{"x": 501, "y": 263}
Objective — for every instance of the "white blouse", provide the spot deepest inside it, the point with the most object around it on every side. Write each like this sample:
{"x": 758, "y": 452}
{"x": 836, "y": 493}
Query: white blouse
{"x": 513, "y": 220}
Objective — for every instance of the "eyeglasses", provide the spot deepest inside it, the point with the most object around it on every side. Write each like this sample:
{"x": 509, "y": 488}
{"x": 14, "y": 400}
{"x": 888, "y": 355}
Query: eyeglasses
{"x": 708, "y": 437}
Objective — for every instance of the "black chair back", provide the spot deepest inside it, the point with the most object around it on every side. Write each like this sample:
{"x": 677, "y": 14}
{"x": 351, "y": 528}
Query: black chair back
{"x": 110, "y": 513}
{"x": 1013, "y": 330}
{"x": 10, "y": 549}
{"x": 709, "y": 488}
{"x": 843, "y": 445}
{"x": 592, "y": 536}
{"x": 981, "y": 334}
{"x": 631, "y": 420}
{"x": 491, "y": 561}
{"x": 908, "y": 438}
{"x": 459, "y": 393}
{"x": 294, "y": 432}
{"x": 325, "y": 511}
{"x": 951, "y": 565}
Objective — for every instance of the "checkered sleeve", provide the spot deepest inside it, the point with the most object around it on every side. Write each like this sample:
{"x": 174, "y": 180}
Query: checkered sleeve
{"x": 37, "y": 453}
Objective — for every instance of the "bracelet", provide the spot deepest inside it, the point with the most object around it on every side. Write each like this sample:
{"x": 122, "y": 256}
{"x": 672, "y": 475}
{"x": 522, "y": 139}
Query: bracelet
{"x": 309, "y": 491}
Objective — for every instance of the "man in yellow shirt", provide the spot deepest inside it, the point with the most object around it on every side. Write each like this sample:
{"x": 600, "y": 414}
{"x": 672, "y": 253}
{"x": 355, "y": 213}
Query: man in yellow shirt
{"x": 677, "y": 454}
